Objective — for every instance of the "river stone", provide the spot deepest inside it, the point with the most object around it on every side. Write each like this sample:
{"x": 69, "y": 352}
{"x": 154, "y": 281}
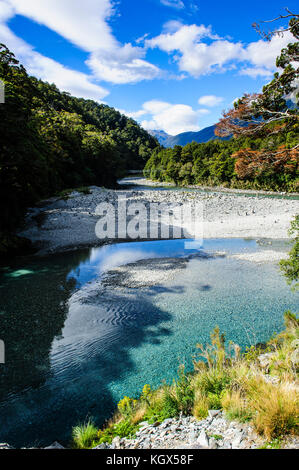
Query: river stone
{"x": 203, "y": 439}
{"x": 213, "y": 413}
{"x": 4, "y": 446}
{"x": 101, "y": 446}
{"x": 213, "y": 444}
{"x": 295, "y": 344}
{"x": 295, "y": 357}
{"x": 55, "y": 445}
{"x": 265, "y": 360}
{"x": 237, "y": 440}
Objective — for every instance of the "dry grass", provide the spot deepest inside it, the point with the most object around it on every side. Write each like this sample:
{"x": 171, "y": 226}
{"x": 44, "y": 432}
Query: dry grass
{"x": 275, "y": 406}
{"x": 139, "y": 414}
{"x": 201, "y": 406}
{"x": 236, "y": 406}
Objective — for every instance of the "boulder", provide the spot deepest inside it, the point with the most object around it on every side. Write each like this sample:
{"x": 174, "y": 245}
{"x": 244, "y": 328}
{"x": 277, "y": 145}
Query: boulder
{"x": 295, "y": 357}
{"x": 55, "y": 445}
{"x": 4, "y": 446}
{"x": 203, "y": 439}
{"x": 295, "y": 344}
{"x": 102, "y": 446}
{"x": 265, "y": 361}
{"x": 213, "y": 413}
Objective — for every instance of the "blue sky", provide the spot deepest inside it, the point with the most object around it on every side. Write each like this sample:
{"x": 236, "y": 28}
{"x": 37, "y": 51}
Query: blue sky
{"x": 170, "y": 64}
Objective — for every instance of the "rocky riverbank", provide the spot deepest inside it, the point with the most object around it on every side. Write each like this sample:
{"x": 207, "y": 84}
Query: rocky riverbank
{"x": 59, "y": 225}
{"x": 214, "y": 432}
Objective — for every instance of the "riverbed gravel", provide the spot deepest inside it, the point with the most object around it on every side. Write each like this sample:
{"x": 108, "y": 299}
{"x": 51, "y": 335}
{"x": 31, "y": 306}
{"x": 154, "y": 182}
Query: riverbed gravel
{"x": 59, "y": 225}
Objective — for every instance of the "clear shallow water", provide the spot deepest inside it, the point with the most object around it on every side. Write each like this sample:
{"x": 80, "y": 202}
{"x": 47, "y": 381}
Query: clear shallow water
{"x": 74, "y": 348}
{"x": 129, "y": 183}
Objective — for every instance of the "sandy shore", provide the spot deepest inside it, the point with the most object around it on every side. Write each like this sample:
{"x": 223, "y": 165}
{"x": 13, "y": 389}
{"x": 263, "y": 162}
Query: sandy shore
{"x": 59, "y": 225}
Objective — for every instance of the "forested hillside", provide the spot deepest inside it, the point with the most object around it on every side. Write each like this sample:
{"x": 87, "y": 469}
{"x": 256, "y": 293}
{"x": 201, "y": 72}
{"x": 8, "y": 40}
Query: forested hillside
{"x": 51, "y": 141}
{"x": 219, "y": 163}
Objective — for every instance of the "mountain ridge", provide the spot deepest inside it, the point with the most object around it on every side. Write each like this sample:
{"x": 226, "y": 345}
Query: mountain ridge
{"x": 202, "y": 136}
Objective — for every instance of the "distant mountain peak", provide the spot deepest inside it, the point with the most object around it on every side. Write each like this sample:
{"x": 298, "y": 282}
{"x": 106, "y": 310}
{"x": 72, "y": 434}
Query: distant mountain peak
{"x": 161, "y": 136}
{"x": 206, "y": 134}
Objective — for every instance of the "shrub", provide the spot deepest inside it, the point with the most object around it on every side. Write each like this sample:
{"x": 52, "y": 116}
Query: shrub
{"x": 163, "y": 405}
{"x": 184, "y": 392}
{"x": 235, "y": 406}
{"x": 290, "y": 267}
{"x": 120, "y": 429}
{"x": 201, "y": 406}
{"x": 126, "y": 406}
{"x": 276, "y": 407}
{"x": 214, "y": 354}
{"x": 212, "y": 382}
{"x": 146, "y": 394}
{"x": 139, "y": 414}
{"x": 84, "y": 435}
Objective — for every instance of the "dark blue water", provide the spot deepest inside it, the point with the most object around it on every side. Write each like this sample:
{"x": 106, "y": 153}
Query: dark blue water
{"x": 75, "y": 347}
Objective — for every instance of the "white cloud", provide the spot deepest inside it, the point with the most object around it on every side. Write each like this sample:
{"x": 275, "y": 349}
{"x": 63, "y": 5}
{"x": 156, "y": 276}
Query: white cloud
{"x": 178, "y": 4}
{"x": 264, "y": 53}
{"x": 210, "y": 100}
{"x": 72, "y": 81}
{"x": 6, "y": 11}
{"x": 122, "y": 65}
{"x": 134, "y": 115}
{"x": 85, "y": 24}
{"x": 156, "y": 107}
{"x": 195, "y": 48}
{"x": 179, "y": 37}
{"x": 171, "y": 118}
{"x": 255, "y": 72}
{"x": 199, "y": 52}
{"x": 196, "y": 57}
{"x": 81, "y": 22}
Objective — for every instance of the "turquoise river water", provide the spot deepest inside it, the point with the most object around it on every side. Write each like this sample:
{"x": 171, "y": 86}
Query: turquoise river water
{"x": 74, "y": 348}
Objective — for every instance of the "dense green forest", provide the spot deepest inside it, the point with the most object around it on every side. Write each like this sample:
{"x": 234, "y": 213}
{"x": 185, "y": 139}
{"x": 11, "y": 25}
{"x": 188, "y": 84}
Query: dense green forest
{"x": 213, "y": 163}
{"x": 51, "y": 141}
